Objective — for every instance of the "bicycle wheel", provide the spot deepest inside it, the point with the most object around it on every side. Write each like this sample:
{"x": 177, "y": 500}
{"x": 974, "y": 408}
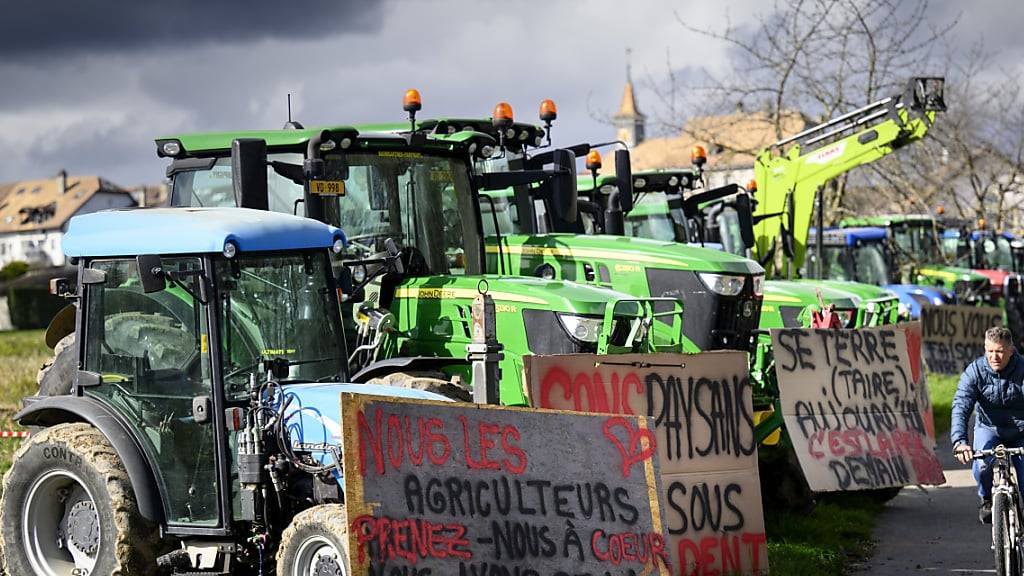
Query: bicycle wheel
{"x": 1002, "y": 546}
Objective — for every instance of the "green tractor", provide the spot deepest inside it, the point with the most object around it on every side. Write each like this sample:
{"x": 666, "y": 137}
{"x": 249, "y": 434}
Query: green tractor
{"x": 415, "y": 260}
{"x": 915, "y": 242}
{"x": 200, "y": 433}
{"x": 540, "y": 231}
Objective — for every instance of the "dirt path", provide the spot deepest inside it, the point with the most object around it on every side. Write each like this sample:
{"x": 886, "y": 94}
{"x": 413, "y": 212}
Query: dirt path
{"x": 933, "y": 531}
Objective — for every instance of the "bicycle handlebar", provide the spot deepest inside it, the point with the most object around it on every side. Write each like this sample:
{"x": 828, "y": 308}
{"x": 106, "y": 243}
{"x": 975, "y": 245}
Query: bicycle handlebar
{"x": 999, "y": 452}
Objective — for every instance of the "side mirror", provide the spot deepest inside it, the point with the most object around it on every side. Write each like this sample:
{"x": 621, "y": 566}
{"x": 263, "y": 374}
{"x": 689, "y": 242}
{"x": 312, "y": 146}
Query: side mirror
{"x": 249, "y": 173}
{"x": 151, "y": 272}
{"x": 745, "y": 215}
{"x": 564, "y": 185}
{"x": 624, "y": 176}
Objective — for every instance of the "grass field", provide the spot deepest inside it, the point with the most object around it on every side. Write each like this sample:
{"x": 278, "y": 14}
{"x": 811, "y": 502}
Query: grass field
{"x": 942, "y": 387}
{"x": 21, "y": 355}
{"x": 826, "y": 541}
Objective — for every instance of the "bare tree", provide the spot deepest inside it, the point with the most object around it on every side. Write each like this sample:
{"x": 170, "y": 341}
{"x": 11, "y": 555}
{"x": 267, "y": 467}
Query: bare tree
{"x": 973, "y": 160}
{"x": 819, "y": 58}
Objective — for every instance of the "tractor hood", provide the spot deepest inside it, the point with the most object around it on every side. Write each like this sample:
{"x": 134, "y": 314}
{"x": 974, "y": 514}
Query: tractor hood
{"x": 803, "y": 293}
{"x": 517, "y": 291}
{"x": 856, "y": 289}
{"x": 314, "y": 415}
{"x": 951, "y": 274}
{"x": 615, "y": 249}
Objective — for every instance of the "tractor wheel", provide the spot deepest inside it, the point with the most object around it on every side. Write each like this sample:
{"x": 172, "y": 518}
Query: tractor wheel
{"x": 68, "y": 508}
{"x": 883, "y": 495}
{"x": 428, "y": 381}
{"x": 783, "y": 484}
{"x": 316, "y": 542}
{"x": 58, "y": 373}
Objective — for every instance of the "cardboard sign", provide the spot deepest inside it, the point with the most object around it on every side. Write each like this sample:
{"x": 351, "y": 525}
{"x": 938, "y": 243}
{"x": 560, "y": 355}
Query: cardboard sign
{"x": 852, "y": 409}
{"x": 954, "y": 336}
{"x": 703, "y": 422}
{"x": 918, "y": 374}
{"x": 442, "y": 488}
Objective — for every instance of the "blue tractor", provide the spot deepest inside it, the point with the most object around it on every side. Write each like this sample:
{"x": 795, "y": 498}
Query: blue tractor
{"x": 200, "y": 432}
{"x": 862, "y": 255}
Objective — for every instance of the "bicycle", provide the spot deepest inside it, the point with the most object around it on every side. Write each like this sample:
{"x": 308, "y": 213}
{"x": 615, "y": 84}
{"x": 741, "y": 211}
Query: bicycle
{"x": 1007, "y": 518}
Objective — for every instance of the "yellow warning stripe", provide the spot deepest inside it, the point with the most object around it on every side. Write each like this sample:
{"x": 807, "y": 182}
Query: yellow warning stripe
{"x": 467, "y": 293}
{"x": 565, "y": 252}
{"x": 781, "y": 298}
{"x": 938, "y": 274}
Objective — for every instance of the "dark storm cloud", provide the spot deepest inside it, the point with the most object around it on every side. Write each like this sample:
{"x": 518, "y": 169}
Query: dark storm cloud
{"x": 38, "y": 29}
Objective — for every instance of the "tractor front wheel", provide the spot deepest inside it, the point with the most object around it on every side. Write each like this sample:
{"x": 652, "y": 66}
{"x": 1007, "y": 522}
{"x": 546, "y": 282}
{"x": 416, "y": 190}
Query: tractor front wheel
{"x": 68, "y": 508}
{"x": 316, "y": 542}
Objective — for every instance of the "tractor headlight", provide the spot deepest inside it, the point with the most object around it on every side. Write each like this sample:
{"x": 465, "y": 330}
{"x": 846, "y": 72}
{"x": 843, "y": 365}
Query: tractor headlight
{"x": 338, "y": 246}
{"x": 758, "y": 285}
{"x": 903, "y": 310}
{"x": 724, "y": 284}
{"x": 581, "y": 328}
{"x": 172, "y": 148}
{"x": 230, "y": 249}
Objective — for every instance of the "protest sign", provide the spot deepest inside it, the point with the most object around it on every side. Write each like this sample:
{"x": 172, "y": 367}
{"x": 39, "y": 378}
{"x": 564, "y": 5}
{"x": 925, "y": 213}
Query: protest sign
{"x": 703, "y": 422}
{"x": 852, "y": 408}
{"x": 954, "y": 336}
{"x": 438, "y": 488}
{"x": 918, "y": 374}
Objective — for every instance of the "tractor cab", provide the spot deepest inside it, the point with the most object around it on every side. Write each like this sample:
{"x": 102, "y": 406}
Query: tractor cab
{"x": 414, "y": 261}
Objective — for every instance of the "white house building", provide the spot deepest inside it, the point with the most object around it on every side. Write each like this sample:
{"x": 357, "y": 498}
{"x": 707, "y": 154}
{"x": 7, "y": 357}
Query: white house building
{"x": 34, "y": 214}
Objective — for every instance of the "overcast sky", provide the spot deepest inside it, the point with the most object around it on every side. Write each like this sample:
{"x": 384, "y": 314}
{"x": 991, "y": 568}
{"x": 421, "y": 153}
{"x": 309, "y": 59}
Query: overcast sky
{"x": 87, "y": 86}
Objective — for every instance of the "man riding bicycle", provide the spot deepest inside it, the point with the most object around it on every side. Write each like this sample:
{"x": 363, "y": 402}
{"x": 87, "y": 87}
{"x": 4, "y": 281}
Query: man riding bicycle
{"x": 994, "y": 384}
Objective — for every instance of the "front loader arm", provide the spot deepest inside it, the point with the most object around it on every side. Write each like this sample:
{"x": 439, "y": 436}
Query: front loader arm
{"x": 802, "y": 164}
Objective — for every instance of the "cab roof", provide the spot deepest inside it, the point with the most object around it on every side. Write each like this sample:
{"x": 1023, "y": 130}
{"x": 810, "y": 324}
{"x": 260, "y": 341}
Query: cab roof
{"x": 360, "y": 137}
{"x": 849, "y": 236}
{"x": 192, "y": 231}
{"x": 206, "y": 141}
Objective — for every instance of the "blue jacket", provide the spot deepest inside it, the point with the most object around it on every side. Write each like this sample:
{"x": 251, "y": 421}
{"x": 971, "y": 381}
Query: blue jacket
{"x": 999, "y": 397}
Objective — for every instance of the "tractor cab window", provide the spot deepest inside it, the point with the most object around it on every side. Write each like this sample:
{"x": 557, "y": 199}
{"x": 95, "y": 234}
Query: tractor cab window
{"x": 1001, "y": 255}
{"x": 212, "y": 187}
{"x": 423, "y": 203}
{"x": 869, "y": 261}
{"x": 277, "y": 308}
{"x": 838, "y": 263}
{"x": 152, "y": 352}
{"x": 650, "y": 218}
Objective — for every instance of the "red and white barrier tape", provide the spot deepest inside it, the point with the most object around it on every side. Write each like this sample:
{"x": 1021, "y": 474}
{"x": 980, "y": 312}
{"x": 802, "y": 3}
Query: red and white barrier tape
{"x": 13, "y": 434}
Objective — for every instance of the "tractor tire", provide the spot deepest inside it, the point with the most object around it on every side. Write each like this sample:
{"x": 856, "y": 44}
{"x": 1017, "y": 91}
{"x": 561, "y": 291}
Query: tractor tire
{"x": 883, "y": 495}
{"x": 428, "y": 381}
{"x": 68, "y": 508}
{"x": 58, "y": 373}
{"x": 784, "y": 487}
{"x": 316, "y": 542}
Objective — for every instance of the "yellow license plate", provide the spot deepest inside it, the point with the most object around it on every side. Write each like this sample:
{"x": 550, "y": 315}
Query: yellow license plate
{"x": 327, "y": 187}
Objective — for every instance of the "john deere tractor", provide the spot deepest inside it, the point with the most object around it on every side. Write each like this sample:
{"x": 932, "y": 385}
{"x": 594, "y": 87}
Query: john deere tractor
{"x": 200, "y": 432}
{"x": 415, "y": 260}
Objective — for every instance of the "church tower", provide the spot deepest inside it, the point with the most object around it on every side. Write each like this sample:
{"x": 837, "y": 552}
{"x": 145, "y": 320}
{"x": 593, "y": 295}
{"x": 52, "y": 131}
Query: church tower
{"x": 628, "y": 121}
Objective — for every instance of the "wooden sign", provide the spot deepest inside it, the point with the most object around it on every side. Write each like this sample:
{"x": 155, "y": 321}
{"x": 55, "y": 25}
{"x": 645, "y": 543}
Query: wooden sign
{"x": 703, "y": 421}
{"x": 437, "y": 488}
{"x": 852, "y": 409}
{"x": 954, "y": 336}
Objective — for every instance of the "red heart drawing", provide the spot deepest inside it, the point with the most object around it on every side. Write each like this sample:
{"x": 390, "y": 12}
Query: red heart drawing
{"x": 633, "y": 454}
